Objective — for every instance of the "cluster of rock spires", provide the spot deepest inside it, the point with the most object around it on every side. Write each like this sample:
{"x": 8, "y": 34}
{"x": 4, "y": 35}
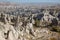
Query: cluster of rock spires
{"x": 21, "y": 28}
{"x": 47, "y": 18}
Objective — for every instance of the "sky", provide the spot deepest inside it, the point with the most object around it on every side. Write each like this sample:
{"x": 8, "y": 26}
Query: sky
{"x": 31, "y": 1}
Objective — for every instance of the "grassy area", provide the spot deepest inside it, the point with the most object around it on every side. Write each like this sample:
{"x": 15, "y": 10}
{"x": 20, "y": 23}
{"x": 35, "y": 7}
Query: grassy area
{"x": 52, "y": 38}
{"x": 37, "y": 22}
{"x": 57, "y": 29}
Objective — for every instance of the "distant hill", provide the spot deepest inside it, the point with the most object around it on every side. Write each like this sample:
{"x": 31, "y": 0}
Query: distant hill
{"x": 31, "y": 5}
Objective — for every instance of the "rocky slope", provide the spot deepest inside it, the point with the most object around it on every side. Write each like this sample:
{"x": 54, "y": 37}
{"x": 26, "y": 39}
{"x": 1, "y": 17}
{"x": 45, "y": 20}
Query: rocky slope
{"x": 27, "y": 23}
{"x": 8, "y": 32}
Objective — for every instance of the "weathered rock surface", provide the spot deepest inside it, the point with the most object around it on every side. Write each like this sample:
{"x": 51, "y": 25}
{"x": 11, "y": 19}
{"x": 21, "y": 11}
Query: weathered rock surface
{"x": 16, "y": 28}
{"x": 8, "y": 32}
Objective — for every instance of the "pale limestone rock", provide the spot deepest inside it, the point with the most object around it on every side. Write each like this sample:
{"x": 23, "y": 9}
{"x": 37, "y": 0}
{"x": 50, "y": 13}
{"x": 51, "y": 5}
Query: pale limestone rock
{"x": 5, "y": 20}
{"x": 2, "y": 36}
{"x": 33, "y": 21}
{"x": 8, "y": 18}
{"x": 11, "y": 36}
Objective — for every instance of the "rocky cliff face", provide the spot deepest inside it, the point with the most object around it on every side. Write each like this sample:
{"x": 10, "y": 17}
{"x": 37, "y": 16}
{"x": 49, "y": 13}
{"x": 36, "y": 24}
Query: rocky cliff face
{"x": 8, "y": 32}
{"x": 29, "y": 23}
{"x": 13, "y": 28}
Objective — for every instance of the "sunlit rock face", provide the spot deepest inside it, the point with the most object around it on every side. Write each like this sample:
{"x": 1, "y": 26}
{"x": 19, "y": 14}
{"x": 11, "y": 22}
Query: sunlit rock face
{"x": 8, "y": 32}
{"x": 47, "y": 19}
{"x": 22, "y": 27}
{"x": 47, "y": 16}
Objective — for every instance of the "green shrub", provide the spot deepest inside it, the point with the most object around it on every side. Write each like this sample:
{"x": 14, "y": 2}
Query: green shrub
{"x": 37, "y": 22}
